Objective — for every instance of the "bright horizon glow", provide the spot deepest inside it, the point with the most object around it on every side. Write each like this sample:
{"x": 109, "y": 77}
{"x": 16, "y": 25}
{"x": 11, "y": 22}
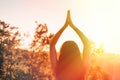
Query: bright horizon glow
{"x": 97, "y": 19}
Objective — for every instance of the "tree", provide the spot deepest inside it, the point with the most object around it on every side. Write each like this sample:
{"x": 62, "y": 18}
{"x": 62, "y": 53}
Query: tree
{"x": 9, "y": 40}
{"x": 39, "y": 64}
{"x": 41, "y": 38}
{"x": 18, "y": 64}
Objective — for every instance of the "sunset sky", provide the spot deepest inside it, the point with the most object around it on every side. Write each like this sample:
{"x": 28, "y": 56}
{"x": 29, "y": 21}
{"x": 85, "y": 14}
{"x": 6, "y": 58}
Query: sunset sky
{"x": 98, "y": 19}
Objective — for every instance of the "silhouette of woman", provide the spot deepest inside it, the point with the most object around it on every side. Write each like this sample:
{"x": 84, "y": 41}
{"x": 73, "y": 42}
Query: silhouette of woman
{"x": 71, "y": 65}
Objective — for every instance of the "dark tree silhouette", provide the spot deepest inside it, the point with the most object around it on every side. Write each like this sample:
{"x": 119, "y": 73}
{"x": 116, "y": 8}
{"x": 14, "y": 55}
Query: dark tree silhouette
{"x": 8, "y": 40}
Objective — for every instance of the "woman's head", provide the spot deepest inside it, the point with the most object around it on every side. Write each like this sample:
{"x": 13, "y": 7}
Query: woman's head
{"x": 69, "y": 56}
{"x": 69, "y": 51}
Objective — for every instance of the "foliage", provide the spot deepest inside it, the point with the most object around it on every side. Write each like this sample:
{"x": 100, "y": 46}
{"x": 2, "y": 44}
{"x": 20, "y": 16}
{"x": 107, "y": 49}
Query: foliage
{"x": 18, "y": 64}
{"x": 96, "y": 50}
{"x": 39, "y": 64}
{"x": 97, "y": 73}
{"x": 41, "y": 38}
{"x": 9, "y": 40}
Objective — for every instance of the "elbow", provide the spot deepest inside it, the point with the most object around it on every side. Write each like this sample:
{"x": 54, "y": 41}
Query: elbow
{"x": 52, "y": 43}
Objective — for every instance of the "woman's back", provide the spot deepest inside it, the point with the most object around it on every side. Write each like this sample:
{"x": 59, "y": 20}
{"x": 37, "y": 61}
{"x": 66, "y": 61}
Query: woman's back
{"x": 70, "y": 65}
{"x": 72, "y": 71}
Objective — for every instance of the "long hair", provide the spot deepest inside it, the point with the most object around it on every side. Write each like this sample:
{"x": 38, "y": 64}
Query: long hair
{"x": 69, "y": 53}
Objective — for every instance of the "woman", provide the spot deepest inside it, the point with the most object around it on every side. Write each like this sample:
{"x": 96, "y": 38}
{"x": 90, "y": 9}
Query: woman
{"x": 71, "y": 65}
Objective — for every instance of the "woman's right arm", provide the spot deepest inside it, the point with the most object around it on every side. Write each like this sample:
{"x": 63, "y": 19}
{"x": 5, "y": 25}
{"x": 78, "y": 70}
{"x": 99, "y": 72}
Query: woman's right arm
{"x": 85, "y": 40}
{"x": 53, "y": 54}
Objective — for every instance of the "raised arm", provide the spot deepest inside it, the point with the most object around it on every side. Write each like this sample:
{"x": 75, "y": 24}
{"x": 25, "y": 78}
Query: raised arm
{"x": 84, "y": 39}
{"x": 53, "y": 54}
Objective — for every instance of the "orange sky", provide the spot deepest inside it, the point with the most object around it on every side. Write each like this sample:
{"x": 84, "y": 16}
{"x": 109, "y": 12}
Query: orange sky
{"x": 98, "y": 19}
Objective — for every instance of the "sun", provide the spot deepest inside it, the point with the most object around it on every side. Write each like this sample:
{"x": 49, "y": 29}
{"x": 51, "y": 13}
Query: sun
{"x": 98, "y": 43}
